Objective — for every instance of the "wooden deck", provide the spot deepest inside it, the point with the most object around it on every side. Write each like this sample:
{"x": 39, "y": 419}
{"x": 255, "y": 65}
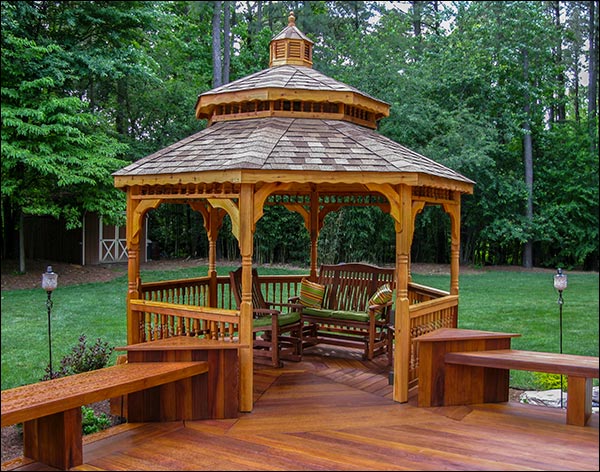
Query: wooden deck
{"x": 333, "y": 411}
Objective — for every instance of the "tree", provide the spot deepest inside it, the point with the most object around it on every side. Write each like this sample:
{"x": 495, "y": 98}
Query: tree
{"x": 57, "y": 157}
{"x": 216, "y": 45}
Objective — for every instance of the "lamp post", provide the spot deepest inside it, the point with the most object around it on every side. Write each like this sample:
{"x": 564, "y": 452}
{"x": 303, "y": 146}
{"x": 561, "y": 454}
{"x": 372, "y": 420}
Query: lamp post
{"x": 49, "y": 283}
{"x": 560, "y": 284}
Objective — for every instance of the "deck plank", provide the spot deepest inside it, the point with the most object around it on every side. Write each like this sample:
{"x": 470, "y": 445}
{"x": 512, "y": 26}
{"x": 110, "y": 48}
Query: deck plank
{"x": 336, "y": 413}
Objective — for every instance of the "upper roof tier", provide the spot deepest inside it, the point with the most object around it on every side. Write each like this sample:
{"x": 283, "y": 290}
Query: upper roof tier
{"x": 290, "y": 88}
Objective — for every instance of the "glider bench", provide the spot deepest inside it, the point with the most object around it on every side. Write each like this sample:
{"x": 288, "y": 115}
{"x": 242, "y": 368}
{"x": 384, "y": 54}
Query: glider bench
{"x": 349, "y": 305}
{"x": 51, "y": 410}
{"x": 463, "y": 366}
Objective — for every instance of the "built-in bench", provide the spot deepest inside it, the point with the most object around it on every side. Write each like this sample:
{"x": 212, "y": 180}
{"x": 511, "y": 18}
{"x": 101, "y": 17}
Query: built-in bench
{"x": 345, "y": 316}
{"x": 482, "y": 365}
{"x": 463, "y": 366}
{"x": 51, "y": 410}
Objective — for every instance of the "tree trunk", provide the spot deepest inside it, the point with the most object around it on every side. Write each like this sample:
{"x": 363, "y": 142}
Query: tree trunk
{"x": 528, "y": 161}
{"x": 417, "y": 13}
{"x": 226, "y": 41}
{"x": 216, "y": 45}
{"x": 22, "y": 267}
{"x": 561, "y": 110}
{"x": 592, "y": 89}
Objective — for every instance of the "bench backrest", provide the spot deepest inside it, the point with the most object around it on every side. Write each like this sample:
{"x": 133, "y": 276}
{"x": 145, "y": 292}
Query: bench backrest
{"x": 348, "y": 286}
{"x": 235, "y": 283}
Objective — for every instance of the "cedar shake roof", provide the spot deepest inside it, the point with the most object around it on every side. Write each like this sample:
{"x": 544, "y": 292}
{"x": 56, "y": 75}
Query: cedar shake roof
{"x": 289, "y": 123}
{"x": 291, "y": 31}
{"x": 290, "y": 144}
{"x": 288, "y": 77}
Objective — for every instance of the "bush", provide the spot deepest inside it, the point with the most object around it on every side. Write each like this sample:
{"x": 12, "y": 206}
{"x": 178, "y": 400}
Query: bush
{"x": 83, "y": 358}
{"x": 93, "y": 423}
{"x": 545, "y": 381}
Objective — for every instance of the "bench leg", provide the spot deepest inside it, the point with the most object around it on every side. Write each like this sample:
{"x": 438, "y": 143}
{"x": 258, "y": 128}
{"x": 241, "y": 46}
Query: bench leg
{"x": 579, "y": 400}
{"x": 55, "y": 440}
{"x": 465, "y": 385}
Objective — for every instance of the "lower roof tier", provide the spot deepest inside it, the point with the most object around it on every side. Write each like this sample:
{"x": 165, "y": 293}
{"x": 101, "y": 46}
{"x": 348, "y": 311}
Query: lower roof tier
{"x": 279, "y": 149}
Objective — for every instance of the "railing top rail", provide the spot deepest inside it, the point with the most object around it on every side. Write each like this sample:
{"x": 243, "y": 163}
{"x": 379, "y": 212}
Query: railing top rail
{"x": 175, "y": 282}
{"x": 176, "y": 309}
{"x": 432, "y": 305}
{"x": 429, "y": 290}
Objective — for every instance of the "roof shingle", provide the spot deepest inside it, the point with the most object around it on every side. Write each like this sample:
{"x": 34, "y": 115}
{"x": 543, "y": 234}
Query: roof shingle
{"x": 287, "y": 144}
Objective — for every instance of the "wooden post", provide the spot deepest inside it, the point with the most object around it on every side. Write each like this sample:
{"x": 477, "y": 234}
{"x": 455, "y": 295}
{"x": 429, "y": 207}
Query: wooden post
{"x": 453, "y": 211}
{"x": 314, "y": 233}
{"x": 402, "y": 318}
{"x": 213, "y": 219}
{"x": 136, "y": 210}
{"x": 245, "y": 225}
{"x": 133, "y": 229}
{"x": 213, "y": 233}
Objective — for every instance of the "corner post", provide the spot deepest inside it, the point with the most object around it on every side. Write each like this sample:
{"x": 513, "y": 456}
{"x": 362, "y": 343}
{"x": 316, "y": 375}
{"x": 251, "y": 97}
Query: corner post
{"x": 402, "y": 319}
{"x": 246, "y": 237}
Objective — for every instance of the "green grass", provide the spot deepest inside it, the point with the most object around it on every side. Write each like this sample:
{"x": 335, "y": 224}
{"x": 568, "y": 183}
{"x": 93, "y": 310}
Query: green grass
{"x": 516, "y": 302}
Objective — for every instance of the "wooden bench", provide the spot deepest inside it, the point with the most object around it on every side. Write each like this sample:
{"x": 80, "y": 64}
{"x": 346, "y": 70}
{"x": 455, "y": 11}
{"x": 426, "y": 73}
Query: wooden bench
{"x": 345, "y": 318}
{"x": 51, "y": 411}
{"x": 470, "y": 377}
{"x": 467, "y": 366}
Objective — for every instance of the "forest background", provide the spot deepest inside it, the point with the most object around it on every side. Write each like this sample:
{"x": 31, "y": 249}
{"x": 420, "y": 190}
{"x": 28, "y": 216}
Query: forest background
{"x": 505, "y": 93}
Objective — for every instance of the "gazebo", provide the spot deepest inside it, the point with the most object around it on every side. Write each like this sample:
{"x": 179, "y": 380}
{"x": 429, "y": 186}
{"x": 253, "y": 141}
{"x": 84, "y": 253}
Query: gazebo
{"x": 287, "y": 135}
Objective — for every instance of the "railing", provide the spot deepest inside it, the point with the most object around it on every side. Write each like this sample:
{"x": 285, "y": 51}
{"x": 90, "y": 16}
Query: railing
{"x": 193, "y": 292}
{"x": 159, "y": 320}
{"x": 181, "y": 307}
{"x": 425, "y": 317}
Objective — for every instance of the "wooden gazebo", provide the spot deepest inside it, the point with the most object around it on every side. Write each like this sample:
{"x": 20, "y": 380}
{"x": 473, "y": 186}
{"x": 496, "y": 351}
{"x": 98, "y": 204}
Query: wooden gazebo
{"x": 290, "y": 136}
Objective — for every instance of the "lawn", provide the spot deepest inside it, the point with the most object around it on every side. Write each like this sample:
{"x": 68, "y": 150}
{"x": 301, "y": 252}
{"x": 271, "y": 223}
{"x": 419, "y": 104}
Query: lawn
{"x": 519, "y": 302}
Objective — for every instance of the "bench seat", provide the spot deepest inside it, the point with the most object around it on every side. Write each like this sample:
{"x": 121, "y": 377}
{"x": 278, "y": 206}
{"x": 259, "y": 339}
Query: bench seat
{"x": 478, "y": 369}
{"x": 53, "y": 396}
{"x": 550, "y": 362}
{"x": 51, "y": 410}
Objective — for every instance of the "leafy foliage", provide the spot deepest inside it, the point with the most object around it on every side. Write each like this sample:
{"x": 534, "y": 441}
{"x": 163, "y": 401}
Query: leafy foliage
{"x": 545, "y": 381}
{"x": 92, "y": 423}
{"x": 90, "y": 86}
{"x": 83, "y": 358}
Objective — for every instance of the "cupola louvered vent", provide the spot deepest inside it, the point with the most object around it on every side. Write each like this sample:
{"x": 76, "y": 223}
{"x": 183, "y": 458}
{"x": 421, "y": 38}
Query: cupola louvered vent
{"x": 291, "y": 47}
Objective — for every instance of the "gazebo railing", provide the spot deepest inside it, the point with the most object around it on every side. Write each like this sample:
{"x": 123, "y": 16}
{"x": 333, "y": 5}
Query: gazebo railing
{"x": 427, "y": 316}
{"x": 159, "y": 320}
{"x": 181, "y": 307}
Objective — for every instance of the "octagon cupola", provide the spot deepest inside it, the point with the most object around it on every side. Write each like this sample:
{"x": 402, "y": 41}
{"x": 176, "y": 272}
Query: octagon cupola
{"x": 291, "y": 46}
{"x": 290, "y": 88}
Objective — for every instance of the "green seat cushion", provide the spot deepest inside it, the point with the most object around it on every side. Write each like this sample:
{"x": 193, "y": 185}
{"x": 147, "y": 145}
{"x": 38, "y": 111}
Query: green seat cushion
{"x": 321, "y": 312}
{"x": 350, "y": 315}
{"x": 283, "y": 319}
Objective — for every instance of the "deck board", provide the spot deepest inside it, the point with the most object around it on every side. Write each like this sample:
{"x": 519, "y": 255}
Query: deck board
{"x": 333, "y": 411}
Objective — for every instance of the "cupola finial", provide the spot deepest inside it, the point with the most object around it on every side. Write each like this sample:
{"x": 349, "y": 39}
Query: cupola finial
{"x": 291, "y": 19}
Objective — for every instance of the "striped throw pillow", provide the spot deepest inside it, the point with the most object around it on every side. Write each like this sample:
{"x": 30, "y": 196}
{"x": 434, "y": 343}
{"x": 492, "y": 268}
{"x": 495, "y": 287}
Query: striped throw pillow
{"x": 311, "y": 293}
{"x": 381, "y": 296}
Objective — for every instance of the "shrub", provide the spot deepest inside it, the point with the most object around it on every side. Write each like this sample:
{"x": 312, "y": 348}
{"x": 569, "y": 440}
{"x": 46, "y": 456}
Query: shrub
{"x": 83, "y": 358}
{"x": 93, "y": 423}
{"x": 545, "y": 381}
